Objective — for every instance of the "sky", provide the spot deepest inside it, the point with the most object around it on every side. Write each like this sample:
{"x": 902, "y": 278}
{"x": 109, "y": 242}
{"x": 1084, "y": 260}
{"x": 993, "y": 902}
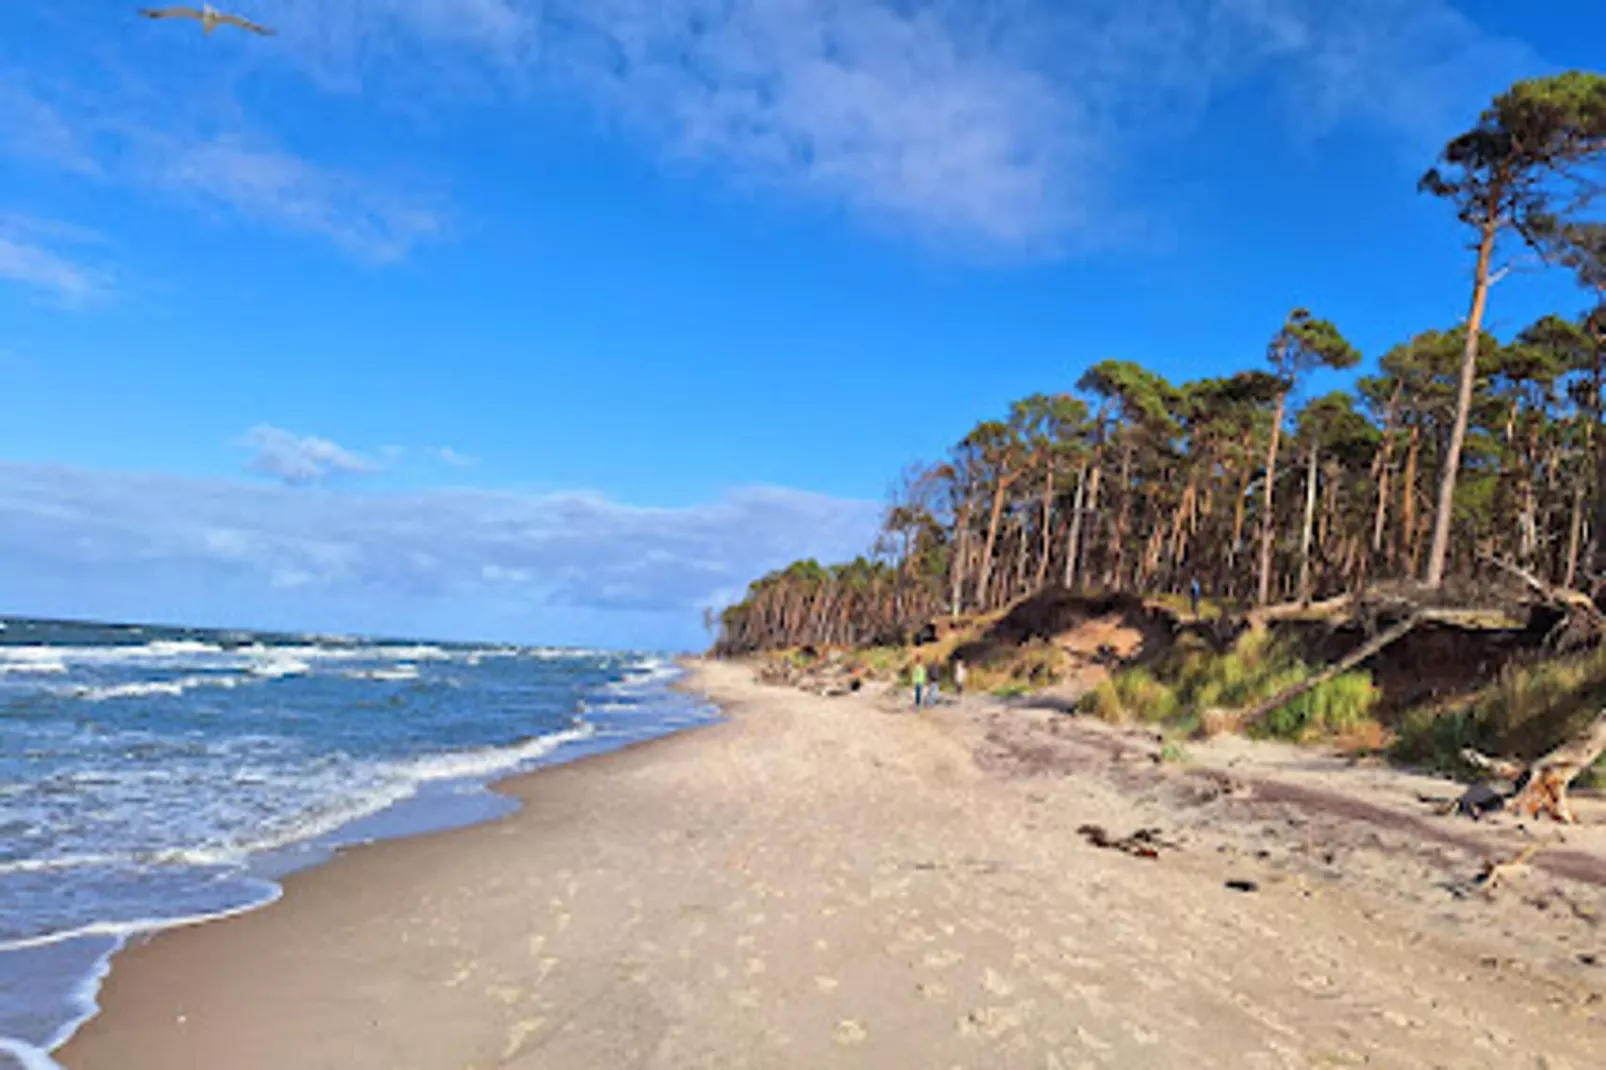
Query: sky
{"x": 561, "y": 320}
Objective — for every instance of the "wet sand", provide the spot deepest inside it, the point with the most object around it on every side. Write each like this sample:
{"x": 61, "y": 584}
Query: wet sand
{"x": 841, "y": 882}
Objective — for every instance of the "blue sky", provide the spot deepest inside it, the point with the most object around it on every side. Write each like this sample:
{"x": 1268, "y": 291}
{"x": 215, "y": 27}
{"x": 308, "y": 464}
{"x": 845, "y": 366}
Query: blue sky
{"x": 558, "y": 320}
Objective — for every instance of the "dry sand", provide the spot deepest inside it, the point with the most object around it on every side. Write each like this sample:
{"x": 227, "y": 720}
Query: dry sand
{"x": 843, "y": 883}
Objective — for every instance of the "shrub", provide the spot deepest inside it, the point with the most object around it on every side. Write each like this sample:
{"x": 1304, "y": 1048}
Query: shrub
{"x": 1131, "y": 695}
{"x": 1526, "y": 711}
{"x": 1192, "y": 679}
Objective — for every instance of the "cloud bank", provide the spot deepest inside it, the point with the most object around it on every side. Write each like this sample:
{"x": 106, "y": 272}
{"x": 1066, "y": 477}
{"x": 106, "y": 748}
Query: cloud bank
{"x": 1005, "y": 123}
{"x": 71, "y": 540}
{"x": 990, "y": 124}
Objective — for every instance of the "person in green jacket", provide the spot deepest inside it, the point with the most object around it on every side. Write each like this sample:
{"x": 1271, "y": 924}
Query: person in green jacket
{"x": 917, "y": 676}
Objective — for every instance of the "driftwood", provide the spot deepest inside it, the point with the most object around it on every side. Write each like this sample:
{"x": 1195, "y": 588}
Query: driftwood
{"x": 1573, "y": 600}
{"x": 1494, "y": 872}
{"x": 1549, "y": 777}
{"x": 1261, "y": 616}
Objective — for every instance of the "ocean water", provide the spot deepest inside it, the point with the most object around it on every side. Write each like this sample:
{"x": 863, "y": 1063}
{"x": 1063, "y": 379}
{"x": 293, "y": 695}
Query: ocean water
{"x": 152, "y": 777}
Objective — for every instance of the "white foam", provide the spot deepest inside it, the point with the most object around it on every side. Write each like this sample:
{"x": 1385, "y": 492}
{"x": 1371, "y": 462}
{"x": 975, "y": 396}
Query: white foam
{"x": 85, "y": 993}
{"x": 27, "y": 1056}
{"x": 399, "y": 672}
{"x": 146, "y": 688}
{"x": 136, "y": 690}
{"x": 172, "y": 648}
{"x": 157, "y": 651}
{"x": 280, "y": 665}
{"x": 33, "y": 667}
{"x": 31, "y": 659}
{"x": 52, "y": 865}
{"x": 490, "y": 761}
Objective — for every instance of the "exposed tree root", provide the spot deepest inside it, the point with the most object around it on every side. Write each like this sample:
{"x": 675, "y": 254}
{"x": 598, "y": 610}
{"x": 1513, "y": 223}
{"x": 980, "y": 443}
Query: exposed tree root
{"x": 1545, "y": 790}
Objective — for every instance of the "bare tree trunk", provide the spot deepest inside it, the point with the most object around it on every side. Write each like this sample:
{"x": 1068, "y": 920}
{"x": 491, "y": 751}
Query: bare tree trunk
{"x": 1550, "y": 776}
{"x": 1310, "y": 517}
{"x": 1380, "y": 471}
{"x": 1238, "y": 506}
{"x": 1439, "y": 549}
{"x": 1598, "y": 444}
{"x": 1048, "y": 530}
{"x": 1259, "y": 713}
{"x": 1267, "y": 522}
{"x": 1575, "y": 535}
{"x": 956, "y": 567}
{"x": 1073, "y": 547}
{"x": 1408, "y": 532}
{"x": 984, "y": 573}
{"x": 1122, "y": 516}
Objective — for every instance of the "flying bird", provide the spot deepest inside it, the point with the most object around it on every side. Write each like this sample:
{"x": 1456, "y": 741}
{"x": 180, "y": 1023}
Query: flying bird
{"x": 207, "y": 16}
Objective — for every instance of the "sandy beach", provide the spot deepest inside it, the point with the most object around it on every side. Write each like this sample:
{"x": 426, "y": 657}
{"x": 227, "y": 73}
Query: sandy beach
{"x": 847, "y": 883}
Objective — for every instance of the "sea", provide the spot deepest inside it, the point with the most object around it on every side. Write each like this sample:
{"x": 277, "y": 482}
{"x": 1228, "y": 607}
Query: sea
{"x": 152, "y": 777}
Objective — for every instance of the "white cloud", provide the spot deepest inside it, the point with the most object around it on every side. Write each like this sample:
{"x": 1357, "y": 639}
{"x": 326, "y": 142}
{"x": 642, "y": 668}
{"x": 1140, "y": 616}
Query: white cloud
{"x": 226, "y": 548}
{"x": 32, "y": 255}
{"x": 33, "y": 129}
{"x": 275, "y": 187}
{"x": 301, "y": 459}
{"x": 158, "y": 144}
{"x": 1001, "y": 124}
{"x": 1005, "y": 122}
{"x": 452, "y": 457}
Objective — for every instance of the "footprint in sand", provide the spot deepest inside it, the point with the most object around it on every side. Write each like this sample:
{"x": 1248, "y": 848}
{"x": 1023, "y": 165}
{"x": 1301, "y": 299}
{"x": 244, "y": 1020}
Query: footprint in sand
{"x": 518, "y": 1034}
{"x": 942, "y": 959}
{"x": 997, "y": 983}
{"x": 992, "y": 1022}
{"x": 826, "y": 984}
{"x": 848, "y": 1031}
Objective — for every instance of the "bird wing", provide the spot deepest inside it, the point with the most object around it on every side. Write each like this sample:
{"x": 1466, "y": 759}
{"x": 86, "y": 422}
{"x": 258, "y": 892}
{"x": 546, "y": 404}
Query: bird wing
{"x": 245, "y": 24}
{"x": 170, "y": 12}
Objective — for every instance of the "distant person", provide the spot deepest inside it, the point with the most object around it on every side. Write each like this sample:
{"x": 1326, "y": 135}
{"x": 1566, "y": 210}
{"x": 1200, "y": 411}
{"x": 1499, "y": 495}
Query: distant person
{"x": 917, "y": 676}
{"x": 959, "y": 678}
{"x": 1193, "y": 595}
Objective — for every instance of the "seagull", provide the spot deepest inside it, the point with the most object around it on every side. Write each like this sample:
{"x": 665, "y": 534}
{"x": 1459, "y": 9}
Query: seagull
{"x": 209, "y": 18}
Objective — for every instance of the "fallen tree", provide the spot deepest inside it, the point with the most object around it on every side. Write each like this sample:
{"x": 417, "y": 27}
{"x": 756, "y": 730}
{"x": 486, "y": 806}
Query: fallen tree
{"x": 1255, "y": 714}
{"x": 1545, "y": 782}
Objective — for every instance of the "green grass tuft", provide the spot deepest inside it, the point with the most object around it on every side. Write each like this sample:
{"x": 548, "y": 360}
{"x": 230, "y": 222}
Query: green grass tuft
{"x": 1192, "y": 678}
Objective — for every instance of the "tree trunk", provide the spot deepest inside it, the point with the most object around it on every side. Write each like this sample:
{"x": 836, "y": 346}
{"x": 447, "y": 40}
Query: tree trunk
{"x": 1550, "y": 776}
{"x": 1122, "y": 516}
{"x": 1381, "y": 472}
{"x": 1598, "y": 444}
{"x": 1310, "y": 518}
{"x": 1048, "y": 530}
{"x": 984, "y": 572}
{"x": 1439, "y": 549}
{"x": 1267, "y": 522}
{"x": 1408, "y": 533}
{"x": 1575, "y": 536}
{"x": 1073, "y": 545}
{"x": 1238, "y": 507}
{"x": 956, "y": 567}
{"x": 1259, "y": 713}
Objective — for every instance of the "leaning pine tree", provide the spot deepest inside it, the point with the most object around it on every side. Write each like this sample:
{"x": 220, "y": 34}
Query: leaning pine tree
{"x": 1511, "y": 173}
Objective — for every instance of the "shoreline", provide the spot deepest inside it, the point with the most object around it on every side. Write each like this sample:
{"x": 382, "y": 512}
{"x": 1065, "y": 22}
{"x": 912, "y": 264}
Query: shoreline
{"x": 816, "y": 882}
{"x": 437, "y": 808}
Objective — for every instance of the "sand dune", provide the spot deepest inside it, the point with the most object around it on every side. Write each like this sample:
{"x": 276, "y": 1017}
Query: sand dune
{"x": 843, "y": 883}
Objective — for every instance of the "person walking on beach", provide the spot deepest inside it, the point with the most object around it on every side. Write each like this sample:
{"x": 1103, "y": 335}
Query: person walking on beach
{"x": 917, "y": 676}
{"x": 1193, "y": 596}
{"x": 959, "y": 678}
